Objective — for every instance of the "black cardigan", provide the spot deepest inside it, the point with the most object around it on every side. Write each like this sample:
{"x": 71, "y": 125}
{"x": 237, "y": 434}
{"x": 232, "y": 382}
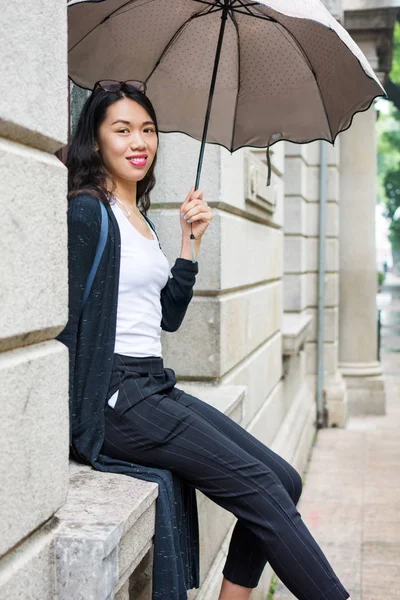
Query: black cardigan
{"x": 90, "y": 338}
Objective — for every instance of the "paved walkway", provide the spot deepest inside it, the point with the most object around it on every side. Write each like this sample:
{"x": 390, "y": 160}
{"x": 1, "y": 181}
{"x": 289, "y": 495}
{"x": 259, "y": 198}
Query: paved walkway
{"x": 351, "y": 497}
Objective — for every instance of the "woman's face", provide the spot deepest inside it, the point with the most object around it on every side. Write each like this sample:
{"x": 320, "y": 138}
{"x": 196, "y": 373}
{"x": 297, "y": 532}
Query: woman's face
{"x": 127, "y": 141}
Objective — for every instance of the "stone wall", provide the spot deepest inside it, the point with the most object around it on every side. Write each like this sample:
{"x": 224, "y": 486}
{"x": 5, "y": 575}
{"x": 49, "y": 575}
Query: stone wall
{"x": 302, "y": 213}
{"x": 34, "y": 297}
{"x": 232, "y": 334}
{"x": 335, "y": 7}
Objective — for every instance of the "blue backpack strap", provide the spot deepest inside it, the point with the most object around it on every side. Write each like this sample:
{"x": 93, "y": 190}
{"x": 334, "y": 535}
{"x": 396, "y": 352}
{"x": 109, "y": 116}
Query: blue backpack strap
{"x": 99, "y": 253}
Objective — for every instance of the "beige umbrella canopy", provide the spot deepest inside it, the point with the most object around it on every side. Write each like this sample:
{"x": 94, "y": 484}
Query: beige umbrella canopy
{"x": 287, "y": 69}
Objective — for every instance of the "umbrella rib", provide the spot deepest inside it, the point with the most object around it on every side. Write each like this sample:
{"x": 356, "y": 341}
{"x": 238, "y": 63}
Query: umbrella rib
{"x": 211, "y": 10}
{"x": 250, "y": 14}
{"x": 175, "y": 36}
{"x": 212, "y": 4}
{"x": 243, "y": 6}
{"x": 217, "y": 6}
{"x": 302, "y": 53}
{"x": 310, "y": 66}
{"x": 128, "y": 8}
{"x": 104, "y": 20}
{"x": 239, "y": 79}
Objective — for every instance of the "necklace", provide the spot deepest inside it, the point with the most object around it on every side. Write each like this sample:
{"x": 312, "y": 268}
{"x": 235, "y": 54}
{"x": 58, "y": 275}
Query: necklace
{"x": 124, "y": 209}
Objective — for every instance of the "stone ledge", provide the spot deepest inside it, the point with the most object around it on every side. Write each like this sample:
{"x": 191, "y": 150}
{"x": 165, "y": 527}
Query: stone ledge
{"x": 226, "y": 398}
{"x": 294, "y": 332}
{"x": 294, "y": 439}
{"x": 27, "y": 571}
{"x": 104, "y": 543}
{"x": 106, "y": 528}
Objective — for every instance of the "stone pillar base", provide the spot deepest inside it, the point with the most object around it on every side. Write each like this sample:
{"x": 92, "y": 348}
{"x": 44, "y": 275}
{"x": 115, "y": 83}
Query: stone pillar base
{"x": 336, "y": 400}
{"x": 365, "y": 387}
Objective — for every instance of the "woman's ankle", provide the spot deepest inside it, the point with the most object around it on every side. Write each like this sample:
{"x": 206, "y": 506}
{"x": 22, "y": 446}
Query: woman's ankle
{"x": 232, "y": 591}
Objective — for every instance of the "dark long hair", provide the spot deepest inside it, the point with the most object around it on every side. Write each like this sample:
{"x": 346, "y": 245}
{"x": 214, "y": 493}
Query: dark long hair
{"x": 86, "y": 171}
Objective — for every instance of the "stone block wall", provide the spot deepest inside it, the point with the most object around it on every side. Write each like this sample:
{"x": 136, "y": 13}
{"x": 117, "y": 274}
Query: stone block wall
{"x": 34, "y": 296}
{"x": 302, "y": 214}
{"x": 232, "y": 334}
{"x": 335, "y": 7}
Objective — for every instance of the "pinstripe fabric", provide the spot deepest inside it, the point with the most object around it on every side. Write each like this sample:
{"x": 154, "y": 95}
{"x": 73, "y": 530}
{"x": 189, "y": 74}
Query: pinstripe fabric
{"x": 156, "y": 424}
{"x": 90, "y": 338}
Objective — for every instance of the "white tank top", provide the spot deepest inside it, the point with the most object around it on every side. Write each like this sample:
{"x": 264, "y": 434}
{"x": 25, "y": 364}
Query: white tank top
{"x": 144, "y": 271}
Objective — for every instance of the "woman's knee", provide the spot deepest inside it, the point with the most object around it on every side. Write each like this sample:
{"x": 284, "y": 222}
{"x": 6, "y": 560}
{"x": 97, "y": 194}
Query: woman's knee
{"x": 297, "y": 485}
{"x": 290, "y": 479}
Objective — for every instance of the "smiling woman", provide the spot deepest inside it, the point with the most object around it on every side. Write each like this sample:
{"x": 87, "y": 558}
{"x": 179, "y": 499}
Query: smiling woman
{"x": 125, "y": 126}
{"x": 127, "y": 142}
{"x": 134, "y": 294}
{"x": 125, "y": 407}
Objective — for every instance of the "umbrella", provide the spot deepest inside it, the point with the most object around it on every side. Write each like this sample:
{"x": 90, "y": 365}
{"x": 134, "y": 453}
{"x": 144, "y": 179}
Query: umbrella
{"x": 231, "y": 72}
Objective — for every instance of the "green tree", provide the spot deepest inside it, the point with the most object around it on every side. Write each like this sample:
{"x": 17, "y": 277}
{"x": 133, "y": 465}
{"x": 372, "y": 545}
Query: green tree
{"x": 392, "y": 190}
{"x": 389, "y": 154}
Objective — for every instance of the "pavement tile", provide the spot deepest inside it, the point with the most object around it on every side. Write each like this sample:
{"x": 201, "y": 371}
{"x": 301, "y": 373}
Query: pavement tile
{"x": 388, "y": 470}
{"x": 389, "y": 479}
{"x": 354, "y": 594}
{"x": 382, "y": 513}
{"x": 352, "y": 441}
{"x": 381, "y": 531}
{"x": 282, "y": 593}
{"x": 349, "y": 574}
{"x": 333, "y": 522}
{"x": 386, "y": 432}
{"x": 384, "y": 577}
{"x": 325, "y": 492}
{"x": 346, "y": 532}
{"x": 333, "y": 464}
{"x": 389, "y": 496}
{"x": 339, "y": 552}
{"x": 329, "y": 512}
{"x": 381, "y": 552}
{"x": 383, "y": 439}
{"x": 376, "y": 461}
{"x": 376, "y": 593}
{"x": 316, "y": 479}
{"x": 351, "y": 496}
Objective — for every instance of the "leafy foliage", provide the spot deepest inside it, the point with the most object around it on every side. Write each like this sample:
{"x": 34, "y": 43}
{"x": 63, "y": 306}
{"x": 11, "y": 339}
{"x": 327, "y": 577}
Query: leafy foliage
{"x": 395, "y": 72}
{"x": 389, "y": 152}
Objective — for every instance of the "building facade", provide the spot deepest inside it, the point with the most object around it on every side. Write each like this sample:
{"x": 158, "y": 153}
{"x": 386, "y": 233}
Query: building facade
{"x": 250, "y": 343}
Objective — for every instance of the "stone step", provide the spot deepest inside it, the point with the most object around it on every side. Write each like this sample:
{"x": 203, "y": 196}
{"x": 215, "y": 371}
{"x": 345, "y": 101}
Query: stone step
{"x": 226, "y": 398}
{"x": 106, "y": 529}
{"x": 104, "y": 540}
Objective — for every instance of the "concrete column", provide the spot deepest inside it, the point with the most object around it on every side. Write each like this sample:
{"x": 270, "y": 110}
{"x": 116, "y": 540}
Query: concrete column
{"x": 358, "y": 278}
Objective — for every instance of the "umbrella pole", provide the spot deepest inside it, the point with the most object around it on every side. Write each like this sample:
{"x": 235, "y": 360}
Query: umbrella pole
{"x": 224, "y": 17}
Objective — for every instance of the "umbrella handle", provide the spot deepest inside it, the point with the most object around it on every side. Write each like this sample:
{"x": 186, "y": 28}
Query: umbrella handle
{"x": 224, "y": 17}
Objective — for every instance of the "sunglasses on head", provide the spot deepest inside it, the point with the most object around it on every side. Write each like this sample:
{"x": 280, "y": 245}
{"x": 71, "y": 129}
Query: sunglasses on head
{"x": 110, "y": 85}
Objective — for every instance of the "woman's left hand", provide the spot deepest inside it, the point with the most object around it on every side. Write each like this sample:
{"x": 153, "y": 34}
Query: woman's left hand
{"x": 195, "y": 211}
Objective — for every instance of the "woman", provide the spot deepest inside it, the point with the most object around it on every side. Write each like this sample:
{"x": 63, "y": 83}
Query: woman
{"x": 124, "y": 403}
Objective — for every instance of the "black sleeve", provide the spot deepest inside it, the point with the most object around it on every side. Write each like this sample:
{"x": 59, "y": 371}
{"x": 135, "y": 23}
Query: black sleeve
{"x": 84, "y": 222}
{"x": 177, "y": 294}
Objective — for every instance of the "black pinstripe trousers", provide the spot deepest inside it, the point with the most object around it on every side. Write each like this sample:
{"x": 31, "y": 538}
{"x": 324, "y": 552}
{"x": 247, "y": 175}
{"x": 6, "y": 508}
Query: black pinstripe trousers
{"x": 153, "y": 423}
